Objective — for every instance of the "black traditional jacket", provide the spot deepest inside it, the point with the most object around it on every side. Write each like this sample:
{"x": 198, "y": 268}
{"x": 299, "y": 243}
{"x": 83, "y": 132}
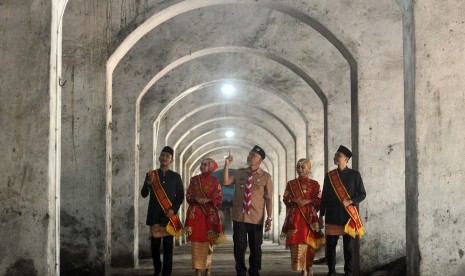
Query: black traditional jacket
{"x": 172, "y": 184}
{"x": 331, "y": 207}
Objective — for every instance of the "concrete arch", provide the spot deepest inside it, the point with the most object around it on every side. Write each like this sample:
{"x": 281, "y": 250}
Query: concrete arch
{"x": 229, "y": 118}
{"x": 217, "y": 50}
{"x": 293, "y": 158}
{"x": 278, "y": 59}
{"x": 280, "y": 176}
{"x": 54, "y": 98}
{"x": 183, "y": 7}
{"x": 55, "y": 103}
{"x": 234, "y": 49}
{"x": 179, "y": 139}
{"x": 207, "y": 133}
{"x": 215, "y": 82}
{"x": 228, "y": 141}
{"x": 230, "y": 103}
{"x": 186, "y": 6}
{"x": 268, "y": 162}
{"x": 191, "y": 113}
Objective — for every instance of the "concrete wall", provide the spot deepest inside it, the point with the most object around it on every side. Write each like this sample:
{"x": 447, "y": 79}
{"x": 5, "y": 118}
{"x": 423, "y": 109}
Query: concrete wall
{"x": 440, "y": 97}
{"x": 371, "y": 32}
{"x": 83, "y": 191}
{"x": 25, "y": 217}
{"x": 381, "y": 149}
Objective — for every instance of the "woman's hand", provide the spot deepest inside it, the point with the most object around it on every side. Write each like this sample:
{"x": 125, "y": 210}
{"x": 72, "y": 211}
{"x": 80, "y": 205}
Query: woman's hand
{"x": 202, "y": 200}
{"x": 301, "y": 202}
{"x": 322, "y": 222}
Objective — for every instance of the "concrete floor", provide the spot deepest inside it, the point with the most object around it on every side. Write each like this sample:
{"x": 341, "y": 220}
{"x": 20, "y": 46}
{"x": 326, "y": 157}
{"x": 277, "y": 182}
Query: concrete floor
{"x": 276, "y": 261}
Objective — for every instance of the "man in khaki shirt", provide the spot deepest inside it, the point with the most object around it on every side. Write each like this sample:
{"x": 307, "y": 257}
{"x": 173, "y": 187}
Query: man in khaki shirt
{"x": 252, "y": 194}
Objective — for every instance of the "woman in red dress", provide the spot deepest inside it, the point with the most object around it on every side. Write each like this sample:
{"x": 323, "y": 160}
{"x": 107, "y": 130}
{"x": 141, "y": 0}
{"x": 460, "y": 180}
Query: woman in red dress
{"x": 203, "y": 225}
{"x": 301, "y": 227}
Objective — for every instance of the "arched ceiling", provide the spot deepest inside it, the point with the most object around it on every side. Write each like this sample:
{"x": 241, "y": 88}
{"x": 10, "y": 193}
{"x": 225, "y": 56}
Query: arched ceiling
{"x": 296, "y": 82}
{"x": 290, "y": 73}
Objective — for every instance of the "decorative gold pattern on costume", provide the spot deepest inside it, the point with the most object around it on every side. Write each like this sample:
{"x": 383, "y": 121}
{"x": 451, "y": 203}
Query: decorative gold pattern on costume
{"x": 203, "y": 224}
{"x": 201, "y": 255}
{"x": 158, "y": 231}
{"x": 315, "y": 238}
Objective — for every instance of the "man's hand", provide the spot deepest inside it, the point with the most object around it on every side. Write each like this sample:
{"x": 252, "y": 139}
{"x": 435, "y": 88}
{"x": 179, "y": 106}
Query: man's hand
{"x": 169, "y": 213}
{"x": 226, "y": 179}
{"x": 347, "y": 202}
{"x": 267, "y": 225}
{"x": 228, "y": 160}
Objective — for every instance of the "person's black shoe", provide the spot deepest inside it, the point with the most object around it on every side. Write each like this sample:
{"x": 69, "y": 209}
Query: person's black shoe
{"x": 320, "y": 261}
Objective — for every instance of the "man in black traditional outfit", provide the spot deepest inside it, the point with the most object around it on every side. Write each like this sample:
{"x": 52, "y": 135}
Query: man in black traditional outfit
{"x": 343, "y": 190}
{"x": 166, "y": 196}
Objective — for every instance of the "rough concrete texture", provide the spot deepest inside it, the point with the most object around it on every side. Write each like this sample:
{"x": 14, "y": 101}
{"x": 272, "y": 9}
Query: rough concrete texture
{"x": 189, "y": 45}
{"x": 83, "y": 214}
{"x": 25, "y": 219}
{"x": 381, "y": 135}
{"x": 310, "y": 75}
{"x": 440, "y": 98}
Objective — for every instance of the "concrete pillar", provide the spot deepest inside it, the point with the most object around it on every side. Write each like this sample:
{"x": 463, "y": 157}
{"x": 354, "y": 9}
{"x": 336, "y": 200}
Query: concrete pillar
{"x": 27, "y": 201}
{"x": 84, "y": 195}
{"x": 439, "y": 99}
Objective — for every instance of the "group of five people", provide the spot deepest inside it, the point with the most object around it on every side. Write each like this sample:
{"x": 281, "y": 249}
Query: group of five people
{"x": 337, "y": 204}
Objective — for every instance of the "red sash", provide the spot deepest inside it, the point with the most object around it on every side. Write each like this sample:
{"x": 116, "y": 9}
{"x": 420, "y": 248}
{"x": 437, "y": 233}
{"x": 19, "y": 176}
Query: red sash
{"x": 354, "y": 226}
{"x": 316, "y": 239}
{"x": 174, "y": 226}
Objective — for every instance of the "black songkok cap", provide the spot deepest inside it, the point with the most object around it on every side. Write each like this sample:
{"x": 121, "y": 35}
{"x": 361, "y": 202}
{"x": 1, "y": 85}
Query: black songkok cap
{"x": 260, "y": 151}
{"x": 168, "y": 150}
{"x": 345, "y": 151}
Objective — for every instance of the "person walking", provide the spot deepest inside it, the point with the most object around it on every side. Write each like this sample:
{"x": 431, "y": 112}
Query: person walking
{"x": 253, "y": 194}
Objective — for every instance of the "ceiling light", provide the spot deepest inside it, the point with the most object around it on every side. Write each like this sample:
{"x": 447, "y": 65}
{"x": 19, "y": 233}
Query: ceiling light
{"x": 228, "y": 89}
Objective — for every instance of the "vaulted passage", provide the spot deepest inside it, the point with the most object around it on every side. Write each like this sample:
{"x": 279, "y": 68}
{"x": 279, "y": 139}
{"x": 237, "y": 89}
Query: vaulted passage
{"x": 232, "y": 68}
{"x": 119, "y": 80}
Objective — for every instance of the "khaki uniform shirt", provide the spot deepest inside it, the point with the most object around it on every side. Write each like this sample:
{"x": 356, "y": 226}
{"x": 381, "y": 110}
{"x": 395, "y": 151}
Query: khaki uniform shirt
{"x": 262, "y": 188}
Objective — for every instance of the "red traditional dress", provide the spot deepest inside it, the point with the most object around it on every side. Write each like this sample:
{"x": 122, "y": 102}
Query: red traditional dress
{"x": 203, "y": 226}
{"x": 301, "y": 226}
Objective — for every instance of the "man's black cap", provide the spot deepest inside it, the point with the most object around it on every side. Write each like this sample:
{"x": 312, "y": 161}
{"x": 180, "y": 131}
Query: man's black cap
{"x": 260, "y": 151}
{"x": 168, "y": 150}
{"x": 345, "y": 151}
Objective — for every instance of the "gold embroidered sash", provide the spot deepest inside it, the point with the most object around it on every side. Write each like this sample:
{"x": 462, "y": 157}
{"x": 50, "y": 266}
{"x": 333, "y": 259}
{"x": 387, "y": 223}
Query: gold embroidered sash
{"x": 354, "y": 226}
{"x": 202, "y": 194}
{"x": 174, "y": 226}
